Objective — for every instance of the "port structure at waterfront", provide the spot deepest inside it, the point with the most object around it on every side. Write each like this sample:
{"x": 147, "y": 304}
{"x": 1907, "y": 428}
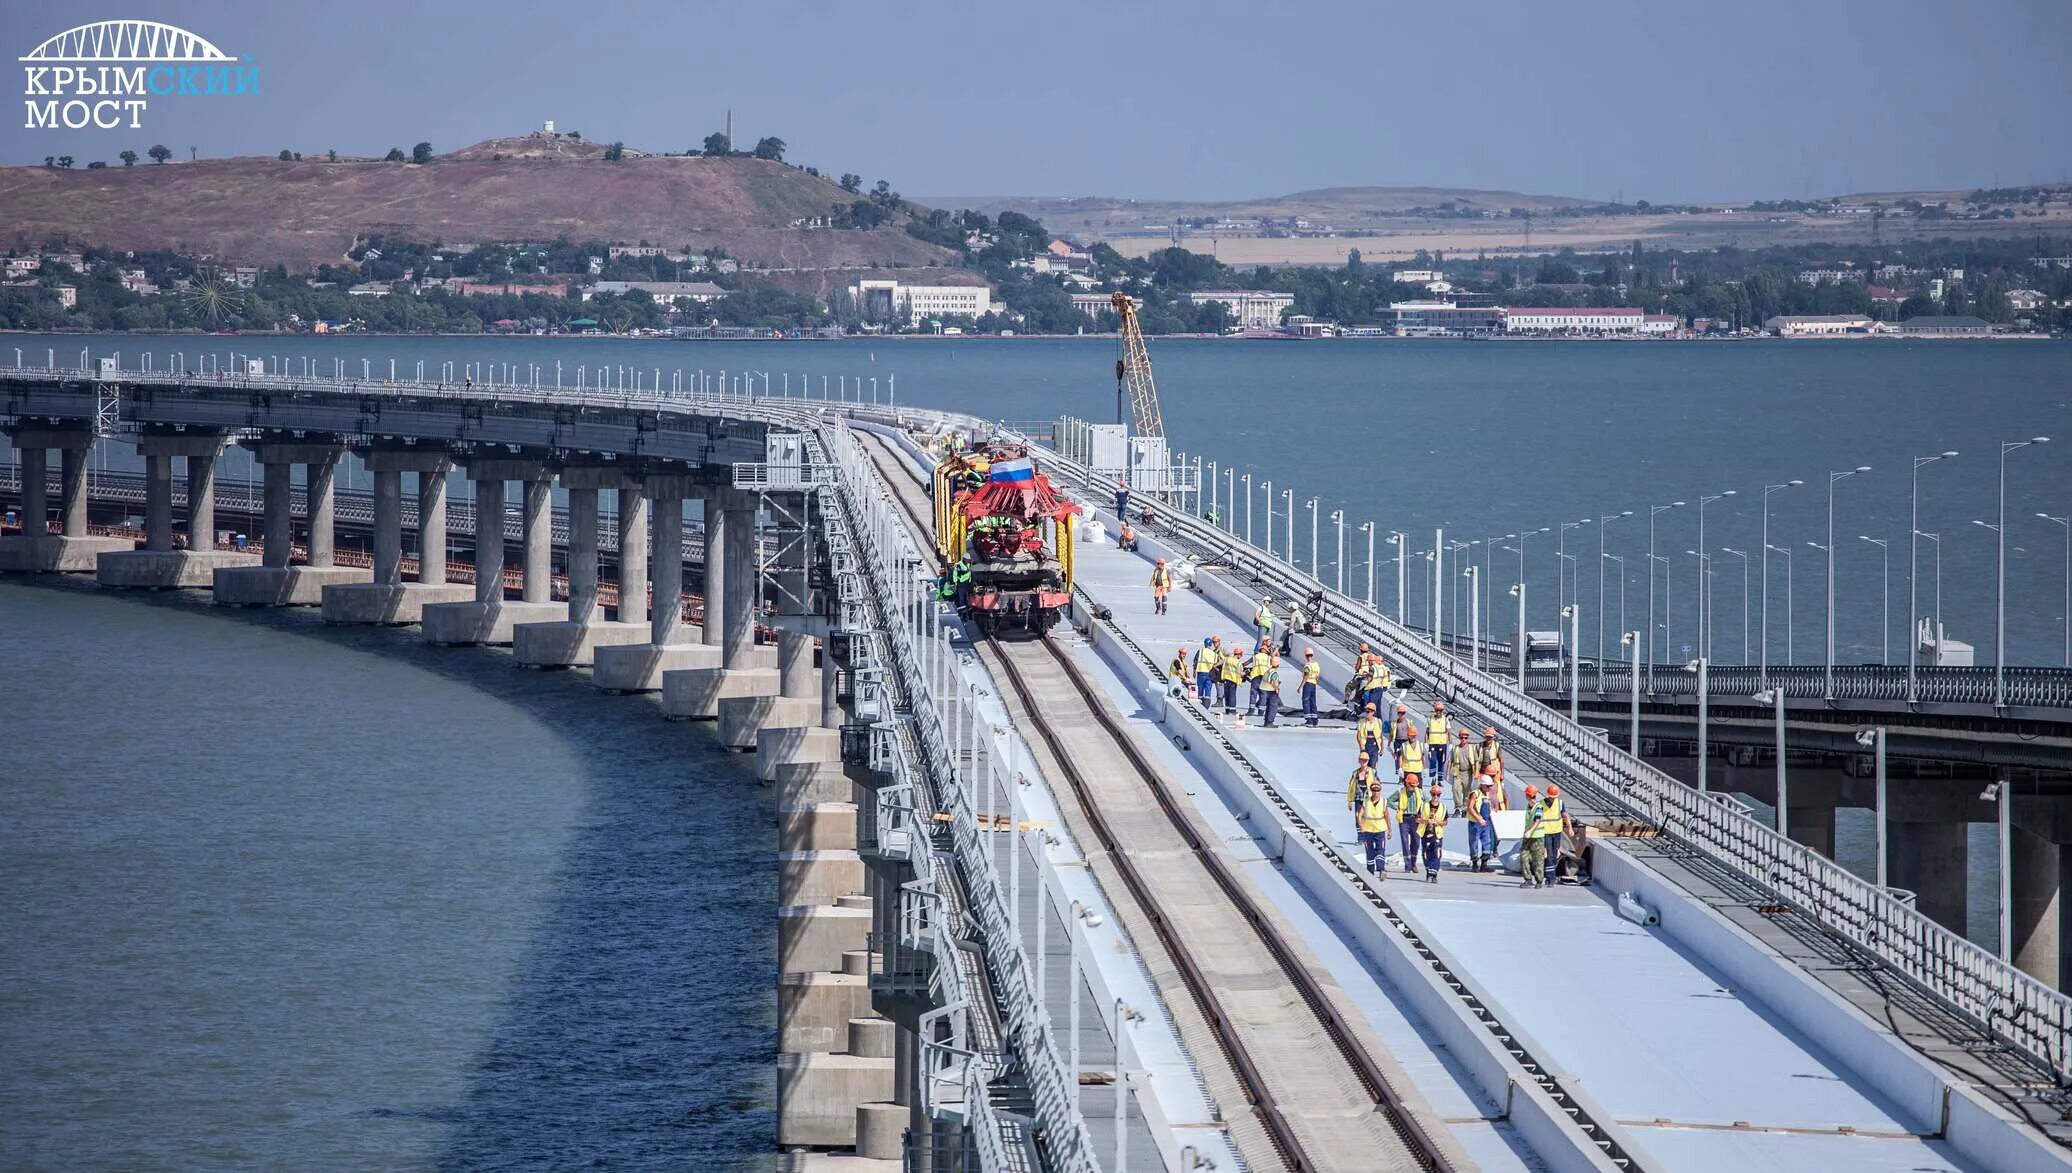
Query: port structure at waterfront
{"x": 965, "y": 981}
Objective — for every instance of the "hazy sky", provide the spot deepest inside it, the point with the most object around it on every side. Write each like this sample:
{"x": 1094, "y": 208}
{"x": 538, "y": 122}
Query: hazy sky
{"x": 1205, "y": 99}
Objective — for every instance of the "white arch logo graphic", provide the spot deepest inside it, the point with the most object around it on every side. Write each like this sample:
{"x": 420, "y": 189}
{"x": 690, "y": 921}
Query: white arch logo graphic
{"x": 125, "y": 41}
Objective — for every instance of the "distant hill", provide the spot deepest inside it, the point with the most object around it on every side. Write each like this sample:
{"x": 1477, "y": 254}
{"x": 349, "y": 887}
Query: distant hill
{"x": 1349, "y": 205}
{"x": 535, "y": 187}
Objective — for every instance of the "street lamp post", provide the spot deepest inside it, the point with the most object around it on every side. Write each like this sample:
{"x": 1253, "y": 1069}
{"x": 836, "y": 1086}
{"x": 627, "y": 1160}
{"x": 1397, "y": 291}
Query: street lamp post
{"x": 1518, "y": 640}
{"x": 2065, "y": 612}
{"x": 1702, "y": 668}
{"x": 1214, "y": 498}
{"x": 1338, "y": 520}
{"x": 1367, "y": 527}
{"x": 1655, "y": 511}
{"x": 1312, "y": 540}
{"x": 1937, "y": 619}
{"x": 1401, "y": 541}
{"x": 1884, "y": 595}
{"x": 1743, "y": 555}
{"x": 1833, "y": 478}
{"x": 1247, "y": 478}
{"x": 1473, "y": 575}
{"x": 1266, "y": 490}
{"x": 1763, "y": 644}
{"x": 1560, "y": 574}
{"x": 1288, "y": 497}
{"x": 1631, "y": 639}
{"x": 1775, "y": 696}
{"x": 1786, "y": 551}
{"x": 1602, "y": 523}
{"x": 1873, "y": 739}
{"x": 2000, "y": 576}
{"x": 1230, "y": 500}
{"x": 1622, "y": 597}
{"x": 1438, "y": 611}
{"x": 1914, "y": 565}
{"x": 1704, "y": 574}
{"x": 1574, "y": 614}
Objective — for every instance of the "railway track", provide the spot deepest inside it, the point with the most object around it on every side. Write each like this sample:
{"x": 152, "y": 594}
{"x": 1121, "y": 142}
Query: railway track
{"x": 1316, "y": 1095}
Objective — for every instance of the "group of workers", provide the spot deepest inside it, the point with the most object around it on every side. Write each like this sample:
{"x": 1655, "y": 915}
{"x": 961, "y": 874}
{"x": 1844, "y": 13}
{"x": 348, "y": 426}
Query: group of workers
{"x": 1217, "y": 668}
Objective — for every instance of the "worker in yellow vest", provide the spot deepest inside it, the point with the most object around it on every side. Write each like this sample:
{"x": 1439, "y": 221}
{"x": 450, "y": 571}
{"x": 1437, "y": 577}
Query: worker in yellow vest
{"x": 1205, "y": 669}
{"x": 1553, "y": 823}
{"x": 1312, "y": 673}
{"x": 1437, "y": 736}
{"x": 1270, "y": 691}
{"x": 1431, "y": 831}
{"x": 1255, "y": 673}
{"x": 1232, "y": 666}
{"x": 1481, "y": 825}
{"x": 1376, "y": 683}
{"x": 1161, "y": 586}
{"x": 1369, "y": 734}
{"x": 1405, "y": 806}
{"x": 1461, "y": 770}
{"x": 1180, "y": 672}
{"x": 1533, "y": 859}
{"x": 1370, "y": 815}
{"x": 1263, "y": 620}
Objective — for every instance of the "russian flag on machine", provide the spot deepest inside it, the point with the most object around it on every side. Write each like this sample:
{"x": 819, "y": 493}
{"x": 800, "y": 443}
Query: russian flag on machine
{"x": 1021, "y": 469}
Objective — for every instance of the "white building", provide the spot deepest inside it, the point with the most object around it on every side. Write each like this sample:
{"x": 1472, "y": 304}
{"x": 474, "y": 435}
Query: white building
{"x": 668, "y": 293}
{"x": 1574, "y": 319}
{"x": 1251, "y": 309}
{"x": 1416, "y": 276}
{"x": 1829, "y": 276}
{"x": 887, "y": 299}
{"x": 1819, "y": 325}
{"x": 22, "y": 266}
{"x": 1093, "y": 305}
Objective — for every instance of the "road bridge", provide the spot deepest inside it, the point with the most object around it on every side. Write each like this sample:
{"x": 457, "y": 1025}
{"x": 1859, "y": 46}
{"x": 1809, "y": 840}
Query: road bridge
{"x": 968, "y": 976}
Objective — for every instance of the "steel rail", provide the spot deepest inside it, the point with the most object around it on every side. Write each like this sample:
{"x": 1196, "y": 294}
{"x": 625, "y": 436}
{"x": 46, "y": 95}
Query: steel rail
{"x": 1421, "y": 1146}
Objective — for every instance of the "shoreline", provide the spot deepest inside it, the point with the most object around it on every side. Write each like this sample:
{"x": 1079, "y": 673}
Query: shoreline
{"x": 1018, "y": 337}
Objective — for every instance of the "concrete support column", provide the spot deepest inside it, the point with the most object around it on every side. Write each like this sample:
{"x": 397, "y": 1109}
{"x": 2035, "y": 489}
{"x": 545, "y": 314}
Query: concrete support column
{"x": 1814, "y": 826}
{"x": 665, "y": 572}
{"x": 431, "y": 527}
{"x": 388, "y": 527}
{"x": 201, "y": 502}
{"x": 582, "y": 556}
{"x": 35, "y": 492}
{"x": 539, "y": 541}
{"x": 2038, "y": 910}
{"x": 715, "y": 571}
{"x": 72, "y": 487}
{"x": 278, "y": 532}
{"x": 489, "y": 540}
{"x": 158, "y": 501}
{"x": 738, "y": 557}
{"x": 323, "y": 510}
{"x": 830, "y": 693}
{"x": 1928, "y": 860}
{"x": 795, "y": 666}
{"x": 633, "y": 554}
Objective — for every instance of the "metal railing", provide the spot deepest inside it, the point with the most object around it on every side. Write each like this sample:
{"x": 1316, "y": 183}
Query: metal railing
{"x": 2012, "y": 1006}
{"x": 2027, "y": 687}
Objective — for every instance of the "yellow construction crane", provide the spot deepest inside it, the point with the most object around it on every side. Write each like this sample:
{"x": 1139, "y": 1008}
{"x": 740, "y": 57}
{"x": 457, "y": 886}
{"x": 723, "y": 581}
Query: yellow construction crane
{"x": 1133, "y": 372}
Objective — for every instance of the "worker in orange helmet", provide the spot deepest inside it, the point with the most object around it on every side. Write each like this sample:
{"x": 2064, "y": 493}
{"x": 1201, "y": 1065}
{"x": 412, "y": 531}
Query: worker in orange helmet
{"x": 1533, "y": 861}
{"x": 1554, "y": 824}
{"x": 1431, "y": 831}
{"x": 1161, "y": 586}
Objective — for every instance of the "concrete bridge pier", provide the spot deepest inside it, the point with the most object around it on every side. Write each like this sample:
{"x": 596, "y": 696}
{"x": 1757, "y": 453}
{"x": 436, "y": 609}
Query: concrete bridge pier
{"x": 2040, "y": 870}
{"x": 572, "y": 642}
{"x": 387, "y": 599}
{"x": 644, "y": 667}
{"x": 71, "y": 550}
{"x": 489, "y": 618}
{"x": 279, "y": 581}
{"x": 744, "y": 672}
{"x": 195, "y": 566}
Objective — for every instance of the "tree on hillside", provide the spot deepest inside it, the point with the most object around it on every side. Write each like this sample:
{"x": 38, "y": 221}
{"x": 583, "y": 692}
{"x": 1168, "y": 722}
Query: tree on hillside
{"x": 331, "y": 156}
{"x": 97, "y": 165}
{"x": 287, "y": 155}
{"x": 770, "y": 148}
{"x": 50, "y": 160}
{"x": 421, "y": 153}
{"x": 717, "y": 143}
{"x": 129, "y": 158}
{"x": 614, "y": 152}
{"x": 64, "y": 160}
{"x": 395, "y": 155}
{"x": 160, "y": 153}
{"x": 851, "y": 182}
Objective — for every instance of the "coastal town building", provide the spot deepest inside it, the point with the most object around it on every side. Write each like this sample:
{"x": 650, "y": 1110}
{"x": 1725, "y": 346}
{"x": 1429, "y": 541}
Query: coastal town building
{"x": 1094, "y": 305}
{"x": 1946, "y": 326}
{"x": 1830, "y": 276}
{"x": 2025, "y": 300}
{"x": 244, "y": 276}
{"x": 887, "y": 299}
{"x": 1416, "y": 276}
{"x": 136, "y": 282}
{"x": 1583, "y": 320}
{"x": 1819, "y": 325}
{"x": 68, "y": 296}
{"x": 666, "y": 293}
{"x": 1250, "y": 309}
{"x": 23, "y": 266}
{"x": 1434, "y": 319}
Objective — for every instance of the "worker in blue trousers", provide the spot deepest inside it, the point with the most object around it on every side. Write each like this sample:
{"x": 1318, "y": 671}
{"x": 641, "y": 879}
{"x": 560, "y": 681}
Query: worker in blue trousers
{"x": 1205, "y": 669}
{"x": 1431, "y": 831}
{"x": 1368, "y": 734}
{"x": 1370, "y": 816}
{"x": 1409, "y": 801}
{"x": 1312, "y": 673}
{"x": 1437, "y": 736}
